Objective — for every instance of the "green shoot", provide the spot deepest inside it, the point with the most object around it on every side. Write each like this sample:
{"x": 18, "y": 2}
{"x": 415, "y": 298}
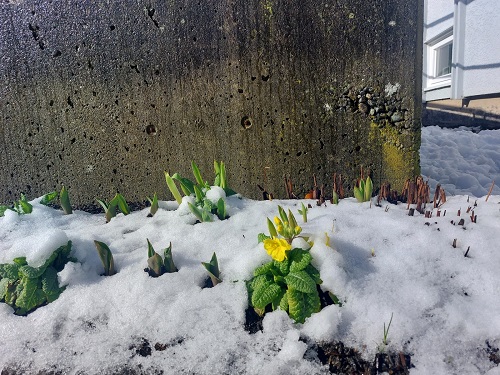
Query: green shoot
{"x": 221, "y": 209}
{"x": 49, "y": 197}
{"x": 173, "y": 188}
{"x": 386, "y": 331}
{"x": 303, "y": 212}
{"x": 363, "y": 192}
{"x": 109, "y": 210}
{"x": 154, "y": 205}
{"x": 106, "y": 258}
{"x": 120, "y": 201}
{"x": 64, "y": 200}
{"x": 213, "y": 270}
{"x": 168, "y": 261}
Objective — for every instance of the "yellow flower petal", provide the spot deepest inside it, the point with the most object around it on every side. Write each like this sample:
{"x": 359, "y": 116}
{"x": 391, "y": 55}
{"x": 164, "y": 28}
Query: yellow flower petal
{"x": 277, "y": 248}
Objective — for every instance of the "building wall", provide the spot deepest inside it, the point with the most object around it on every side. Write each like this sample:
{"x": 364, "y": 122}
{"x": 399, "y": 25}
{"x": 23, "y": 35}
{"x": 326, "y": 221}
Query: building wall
{"x": 104, "y": 96}
{"x": 481, "y": 74}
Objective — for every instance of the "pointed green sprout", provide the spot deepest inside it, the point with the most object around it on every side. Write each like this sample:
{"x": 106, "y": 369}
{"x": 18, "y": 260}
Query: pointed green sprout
{"x": 154, "y": 205}
{"x": 106, "y": 258}
{"x": 155, "y": 263}
{"x": 120, "y": 201}
{"x": 363, "y": 192}
{"x": 335, "y": 198}
{"x": 109, "y": 210}
{"x": 158, "y": 266}
{"x": 22, "y": 206}
{"x": 213, "y": 270}
{"x": 303, "y": 212}
{"x": 49, "y": 197}
{"x": 197, "y": 175}
{"x": 64, "y": 200}
{"x": 201, "y": 214}
{"x": 168, "y": 261}
{"x": 221, "y": 209}
{"x": 173, "y": 189}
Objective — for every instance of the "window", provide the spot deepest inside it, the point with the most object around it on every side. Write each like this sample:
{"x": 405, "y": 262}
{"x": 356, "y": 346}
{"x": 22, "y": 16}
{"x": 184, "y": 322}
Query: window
{"x": 443, "y": 59}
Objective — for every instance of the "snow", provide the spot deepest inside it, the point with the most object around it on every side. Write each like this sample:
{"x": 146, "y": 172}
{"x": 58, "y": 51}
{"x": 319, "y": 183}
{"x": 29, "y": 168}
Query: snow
{"x": 378, "y": 262}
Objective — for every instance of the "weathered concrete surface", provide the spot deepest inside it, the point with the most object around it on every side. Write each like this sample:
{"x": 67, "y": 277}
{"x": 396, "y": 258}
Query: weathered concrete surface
{"x": 103, "y": 96}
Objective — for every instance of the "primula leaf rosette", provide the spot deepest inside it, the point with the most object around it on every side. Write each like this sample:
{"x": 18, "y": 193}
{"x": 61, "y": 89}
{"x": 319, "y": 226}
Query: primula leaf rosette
{"x": 277, "y": 248}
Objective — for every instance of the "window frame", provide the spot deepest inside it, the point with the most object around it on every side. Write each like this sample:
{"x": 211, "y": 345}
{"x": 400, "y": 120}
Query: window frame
{"x": 433, "y": 46}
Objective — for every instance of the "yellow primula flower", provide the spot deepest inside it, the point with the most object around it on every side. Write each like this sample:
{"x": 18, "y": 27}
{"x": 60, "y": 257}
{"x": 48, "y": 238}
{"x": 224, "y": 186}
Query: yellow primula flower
{"x": 277, "y": 248}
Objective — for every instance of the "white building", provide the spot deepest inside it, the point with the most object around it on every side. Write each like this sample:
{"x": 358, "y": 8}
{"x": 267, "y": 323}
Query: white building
{"x": 461, "y": 66}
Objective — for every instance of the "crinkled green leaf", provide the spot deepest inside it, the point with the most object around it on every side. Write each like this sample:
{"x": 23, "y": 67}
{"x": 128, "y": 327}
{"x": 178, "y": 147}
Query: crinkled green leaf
{"x": 283, "y": 266}
{"x": 301, "y": 281}
{"x": 13, "y": 290}
{"x": 31, "y": 297}
{"x": 50, "y": 284}
{"x": 277, "y": 301}
{"x": 5, "y": 284}
{"x": 256, "y": 282}
{"x": 284, "y": 303}
{"x": 9, "y": 271}
{"x": 261, "y": 237}
{"x": 63, "y": 257}
{"x": 31, "y": 272}
{"x": 265, "y": 293}
{"x": 302, "y": 305}
{"x": 314, "y": 273}
{"x": 265, "y": 268}
{"x": 299, "y": 259}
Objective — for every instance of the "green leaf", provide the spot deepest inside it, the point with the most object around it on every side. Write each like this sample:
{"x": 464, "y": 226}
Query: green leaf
{"x": 358, "y": 194}
{"x": 49, "y": 197}
{"x": 9, "y": 271}
{"x": 12, "y": 291}
{"x": 283, "y": 216}
{"x": 25, "y": 205}
{"x": 62, "y": 257}
{"x": 3, "y": 209}
{"x": 265, "y": 268}
{"x": 277, "y": 301}
{"x": 283, "y": 266}
{"x": 301, "y": 281}
{"x": 106, "y": 258}
{"x": 199, "y": 194}
{"x": 6, "y": 285}
{"x": 31, "y": 272}
{"x": 173, "y": 189}
{"x": 50, "y": 284}
{"x": 368, "y": 189}
{"x": 64, "y": 200}
{"x": 221, "y": 209}
{"x": 258, "y": 280}
{"x": 197, "y": 174}
{"x": 291, "y": 220}
{"x": 265, "y": 293}
{"x": 155, "y": 264}
{"x": 284, "y": 303}
{"x": 299, "y": 259}
{"x": 302, "y": 305}
{"x": 196, "y": 211}
{"x": 120, "y": 201}
{"x": 205, "y": 216}
{"x": 261, "y": 237}
{"x": 31, "y": 296}
{"x": 154, "y": 205}
{"x": 213, "y": 270}
{"x": 314, "y": 273}
{"x": 20, "y": 261}
{"x": 272, "y": 228}
{"x": 168, "y": 261}
{"x": 151, "y": 250}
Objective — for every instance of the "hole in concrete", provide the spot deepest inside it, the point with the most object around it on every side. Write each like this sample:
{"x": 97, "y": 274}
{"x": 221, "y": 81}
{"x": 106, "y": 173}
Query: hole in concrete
{"x": 151, "y": 130}
{"x": 246, "y": 122}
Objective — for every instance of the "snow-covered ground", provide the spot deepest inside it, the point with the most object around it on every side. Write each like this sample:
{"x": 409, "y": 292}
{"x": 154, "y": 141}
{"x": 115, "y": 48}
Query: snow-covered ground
{"x": 378, "y": 260}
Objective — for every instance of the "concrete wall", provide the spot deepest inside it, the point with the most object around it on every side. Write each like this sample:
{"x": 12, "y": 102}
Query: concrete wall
{"x": 103, "y": 96}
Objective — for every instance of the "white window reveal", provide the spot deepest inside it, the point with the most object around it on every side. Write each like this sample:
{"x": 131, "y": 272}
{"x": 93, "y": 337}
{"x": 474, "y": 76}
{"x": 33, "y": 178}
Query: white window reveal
{"x": 438, "y": 66}
{"x": 443, "y": 59}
